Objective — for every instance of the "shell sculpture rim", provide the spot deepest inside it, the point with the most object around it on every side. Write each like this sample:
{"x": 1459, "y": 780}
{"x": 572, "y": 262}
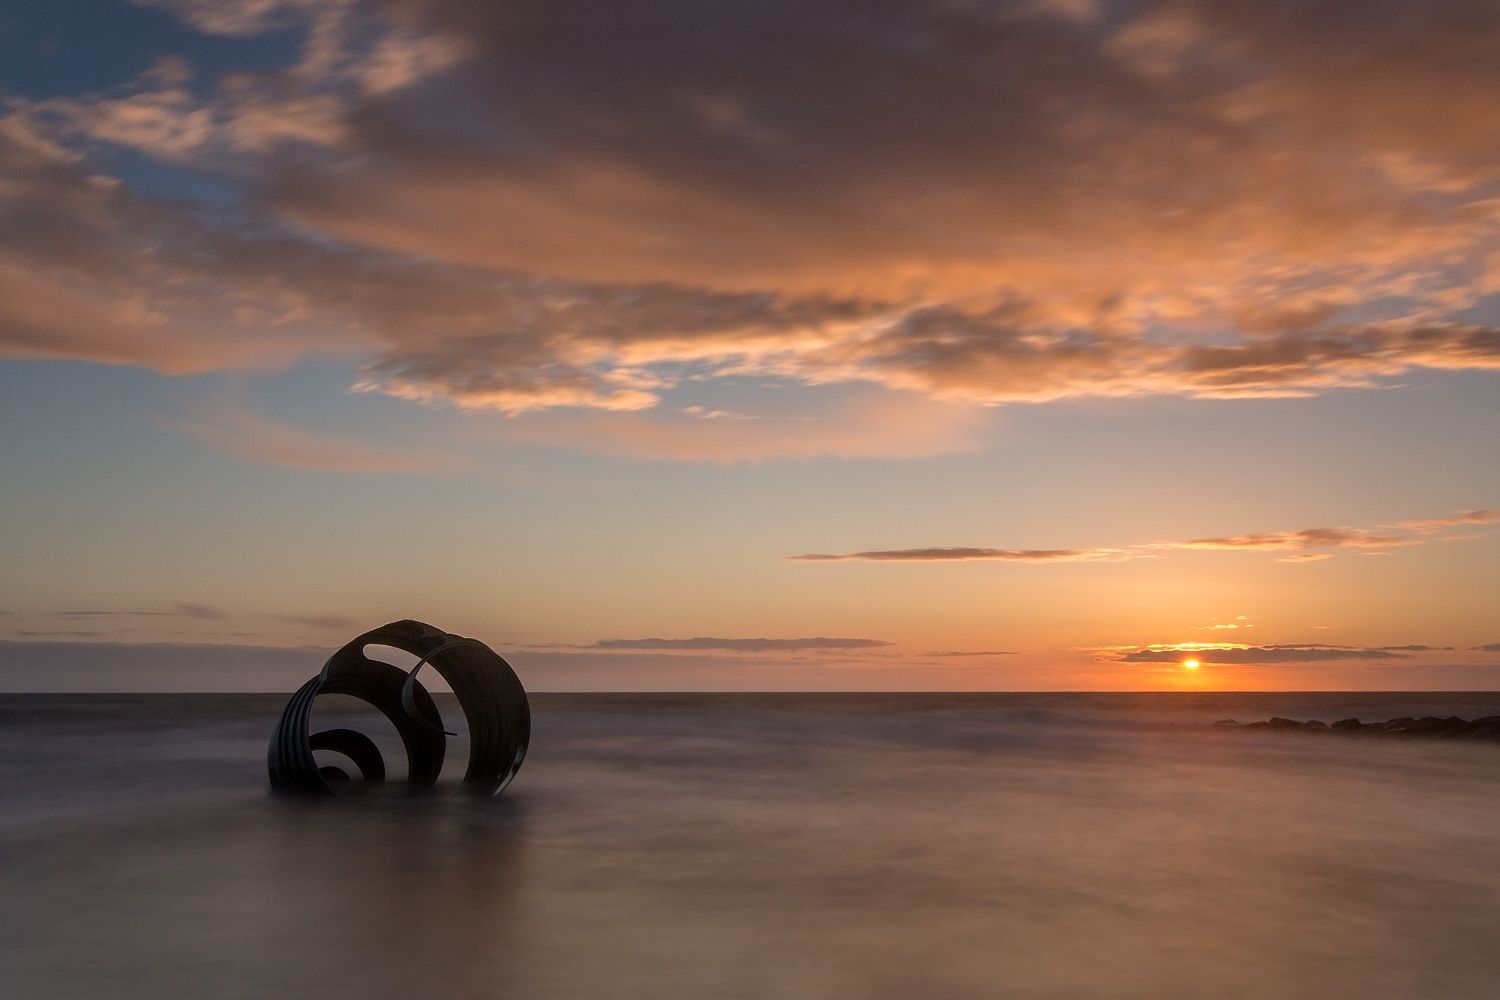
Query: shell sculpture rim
{"x": 496, "y": 712}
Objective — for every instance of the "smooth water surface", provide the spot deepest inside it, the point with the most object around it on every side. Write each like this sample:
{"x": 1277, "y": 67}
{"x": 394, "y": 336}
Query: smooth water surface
{"x": 754, "y": 846}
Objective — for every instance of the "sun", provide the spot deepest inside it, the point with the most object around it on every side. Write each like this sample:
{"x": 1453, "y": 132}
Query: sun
{"x": 1190, "y": 664}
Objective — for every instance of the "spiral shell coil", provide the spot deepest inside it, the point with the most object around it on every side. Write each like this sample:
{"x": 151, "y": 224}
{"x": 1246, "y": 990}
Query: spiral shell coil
{"x": 496, "y": 712}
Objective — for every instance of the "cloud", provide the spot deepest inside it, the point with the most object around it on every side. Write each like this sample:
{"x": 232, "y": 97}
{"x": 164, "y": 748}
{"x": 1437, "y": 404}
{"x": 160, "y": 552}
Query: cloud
{"x": 1371, "y": 541}
{"x": 1400, "y": 534}
{"x": 858, "y": 426}
{"x": 674, "y": 139}
{"x": 31, "y": 633}
{"x": 247, "y": 435}
{"x": 94, "y": 667}
{"x": 1490, "y": 647}
{"x": 331, "y": 622}
{"x": 191, "y": 609}
{"x": 1269, "y": 654}
{"x": 1463, "y": 517}
{"x": 183, "y": 609}
{"x": 232, "y": 17}
{"x": 1240, "y": 621}
{"x": 1307, "y": 538}
{"x": 971, "y": 652}
{"x": 740, "y": 645}
{"x": 962, "y": 555}
{"x": 544, "y": 206}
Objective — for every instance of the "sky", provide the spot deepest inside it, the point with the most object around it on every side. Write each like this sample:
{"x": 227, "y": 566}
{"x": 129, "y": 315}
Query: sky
{"x": 1042, "y": 345}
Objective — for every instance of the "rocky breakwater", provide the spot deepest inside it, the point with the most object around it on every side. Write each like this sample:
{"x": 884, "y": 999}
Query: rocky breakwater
{"x": 1427, "y": 727}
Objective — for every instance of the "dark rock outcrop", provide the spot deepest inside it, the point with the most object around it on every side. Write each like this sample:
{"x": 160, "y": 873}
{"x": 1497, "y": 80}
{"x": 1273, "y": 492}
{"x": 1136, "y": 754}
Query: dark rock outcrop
{"x": 1406, "y": 727}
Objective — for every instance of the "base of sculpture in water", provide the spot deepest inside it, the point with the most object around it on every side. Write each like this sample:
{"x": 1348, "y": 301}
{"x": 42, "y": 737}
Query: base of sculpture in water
{"x": 496, "y": 712}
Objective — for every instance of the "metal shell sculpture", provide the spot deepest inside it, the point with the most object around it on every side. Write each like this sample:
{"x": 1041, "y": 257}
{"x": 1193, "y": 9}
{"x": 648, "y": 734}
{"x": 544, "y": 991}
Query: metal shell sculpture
{"x": 489, "y": 692}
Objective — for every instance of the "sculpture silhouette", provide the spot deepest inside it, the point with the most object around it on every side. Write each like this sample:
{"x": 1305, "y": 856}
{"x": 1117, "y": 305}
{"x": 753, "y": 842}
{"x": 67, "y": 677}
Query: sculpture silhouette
{"x": 488, "y": 690}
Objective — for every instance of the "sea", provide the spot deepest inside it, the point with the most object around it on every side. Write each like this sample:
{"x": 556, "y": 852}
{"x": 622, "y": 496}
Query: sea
{"x": 760, "y": 847}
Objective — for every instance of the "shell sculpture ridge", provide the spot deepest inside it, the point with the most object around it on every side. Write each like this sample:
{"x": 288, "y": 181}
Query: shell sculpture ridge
{"x": 494, "y": 704}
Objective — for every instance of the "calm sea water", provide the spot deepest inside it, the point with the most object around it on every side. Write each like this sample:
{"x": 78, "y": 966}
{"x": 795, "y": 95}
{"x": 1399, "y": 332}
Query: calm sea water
{"x": 751, "y": 846}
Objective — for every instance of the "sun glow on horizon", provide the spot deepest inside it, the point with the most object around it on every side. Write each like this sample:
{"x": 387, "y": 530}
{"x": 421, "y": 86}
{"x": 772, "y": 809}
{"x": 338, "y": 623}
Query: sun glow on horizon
{"x": 1191, "y": 664}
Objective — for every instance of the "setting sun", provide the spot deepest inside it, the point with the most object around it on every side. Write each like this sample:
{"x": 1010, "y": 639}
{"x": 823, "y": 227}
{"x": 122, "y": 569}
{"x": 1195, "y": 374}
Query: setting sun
{"x": 1190, "y": 664}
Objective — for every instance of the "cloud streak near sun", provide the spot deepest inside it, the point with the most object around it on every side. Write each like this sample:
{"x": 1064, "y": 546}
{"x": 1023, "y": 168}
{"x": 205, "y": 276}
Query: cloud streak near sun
{"x": 1277, "y": 653}
{"x": 1297, "y": 543}
{"x": 558, "y": 206}
{"x": 751, "y": 645}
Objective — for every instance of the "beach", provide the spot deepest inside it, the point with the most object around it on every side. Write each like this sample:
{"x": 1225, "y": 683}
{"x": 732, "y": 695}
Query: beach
{"x": 762, "y": 846}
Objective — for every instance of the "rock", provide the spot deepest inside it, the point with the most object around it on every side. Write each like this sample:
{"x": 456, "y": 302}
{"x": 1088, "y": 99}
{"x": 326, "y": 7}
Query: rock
{"x": 1428, "y": 727}
{"x": 1455, "y": 727}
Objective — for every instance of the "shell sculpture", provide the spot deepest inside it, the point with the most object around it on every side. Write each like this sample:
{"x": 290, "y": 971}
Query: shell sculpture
{"x": 494, "y": 704}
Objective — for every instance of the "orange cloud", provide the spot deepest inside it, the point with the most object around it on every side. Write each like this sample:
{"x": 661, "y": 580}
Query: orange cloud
{"x": 1307, "y": 538}
{"x": 1227, "y": 653}
{"x": 1369, "y": 541}
{"x": 1434, "y": 524}
{"x": 1209, "y": 199}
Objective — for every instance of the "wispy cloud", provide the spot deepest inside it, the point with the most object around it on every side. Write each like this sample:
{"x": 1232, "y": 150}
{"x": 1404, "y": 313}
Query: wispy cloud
{"x": 1306, "y": 538}
{"x": 245, "y": 434}
{"x": 754, "y": 645}
{"x": 864, "y": 426}
{"x": 330, "y": 622}
{"x": 1228, "y": 653}
{"x": 966, "y": 554}
{"x": 1371, "y": 540}
{"x": 1214, "y": 625}
{"x": 33, "y": 633}
{"x": 971, "y": 652}
{"x": 183, "y": 609}
{"x": 1459, "y": 519}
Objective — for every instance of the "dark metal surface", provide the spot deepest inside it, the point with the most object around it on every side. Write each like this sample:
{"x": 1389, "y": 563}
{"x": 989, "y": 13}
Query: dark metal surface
{"x": 496, "y": 713}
